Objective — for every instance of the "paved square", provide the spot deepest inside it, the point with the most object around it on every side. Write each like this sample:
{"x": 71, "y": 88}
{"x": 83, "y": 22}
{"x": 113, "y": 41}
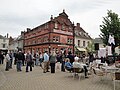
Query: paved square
{"x": 37, "y": 80}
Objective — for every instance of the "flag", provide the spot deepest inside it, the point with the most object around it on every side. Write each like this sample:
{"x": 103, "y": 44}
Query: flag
{"x": 111, "y": 40}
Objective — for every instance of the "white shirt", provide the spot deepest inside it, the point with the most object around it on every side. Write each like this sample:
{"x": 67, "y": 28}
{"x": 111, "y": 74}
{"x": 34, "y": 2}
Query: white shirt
{"x": 111, "y": 40}
{"x": 77, "y": 65}
{"x": 76, "y": 58}
{"x": 7, "y": 58}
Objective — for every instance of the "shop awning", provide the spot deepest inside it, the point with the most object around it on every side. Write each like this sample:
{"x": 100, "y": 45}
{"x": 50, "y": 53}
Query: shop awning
{"x": 3, "y": 48}
{"x": 81, "y": 49}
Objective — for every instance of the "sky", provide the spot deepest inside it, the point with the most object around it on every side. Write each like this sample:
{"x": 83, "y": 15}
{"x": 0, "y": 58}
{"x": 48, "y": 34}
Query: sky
{"x": 17, "y": 15}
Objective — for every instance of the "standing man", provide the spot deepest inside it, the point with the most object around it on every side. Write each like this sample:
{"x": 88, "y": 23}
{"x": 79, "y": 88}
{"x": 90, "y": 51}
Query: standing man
{"x": 11, "y": 59}
{"x": 1, "y": 58}
{"x": 59, "y": 60}
{"x": 37, "y": 58}
{"x": 29, "y": 61}
{"x": 7, "y": 62}
{"x": 41, "y": 58}
{"x": 63, "y": 53}
{"x": 91, "y": 58}
{"x": 46, "y": 62}
{"x": 19, "y": 58}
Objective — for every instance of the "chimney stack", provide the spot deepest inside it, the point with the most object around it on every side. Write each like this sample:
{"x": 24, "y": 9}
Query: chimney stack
{"x": 78, "y": 24}
{"x": 7, "y": 35}
{"x": 28, "y": 29}
{"x": 51, "y": 18}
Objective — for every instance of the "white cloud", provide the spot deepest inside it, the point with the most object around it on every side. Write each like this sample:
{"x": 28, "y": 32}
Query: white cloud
{"x": 17, "y": 15}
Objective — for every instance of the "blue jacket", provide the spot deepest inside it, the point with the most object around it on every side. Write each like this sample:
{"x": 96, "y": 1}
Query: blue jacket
{"x": 68, "y": 65}
{"x": 46, "y": 57}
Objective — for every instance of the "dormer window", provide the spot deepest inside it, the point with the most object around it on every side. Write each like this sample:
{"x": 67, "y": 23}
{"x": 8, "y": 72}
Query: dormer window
{"x": 76, "y": 33}
{"x": 56, "y": 25}
{"x": 46, "y": 26}
{"x": 80, "y": 33}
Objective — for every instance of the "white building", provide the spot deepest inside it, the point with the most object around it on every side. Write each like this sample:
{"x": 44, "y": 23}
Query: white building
{"x": 82, "y": 39}
{"x": 4, "y": 43}
{"x": 16, "y": 43}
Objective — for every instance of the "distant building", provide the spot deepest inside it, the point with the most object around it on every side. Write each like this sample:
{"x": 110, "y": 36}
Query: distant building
{"x": 82, "y": 39}
{"x": 16, "y": 44}
{"x": 99, "y": 42}
{"x": 4, "y": 43}
{"x": 56, "y": 34}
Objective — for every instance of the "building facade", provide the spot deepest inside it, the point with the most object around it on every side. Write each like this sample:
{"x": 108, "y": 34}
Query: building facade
{"x": 16, "y": 44}
{"x": 56, "y": 34}
{"x": 82, "y": 39}
{"x": 99, "y": 42}
{"x": 4, "y": 43}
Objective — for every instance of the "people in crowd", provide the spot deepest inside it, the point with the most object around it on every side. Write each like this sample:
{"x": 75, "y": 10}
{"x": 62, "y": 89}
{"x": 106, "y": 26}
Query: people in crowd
{"x": 46, "y": 62}
{"x": 29, "y": 61}
{"x": 91, "y": 58}
{"x": 19, "y": 58}
{"x": 37, "y": 58}
{"x": 52, "y": 61}
{"x": 23, "y": 60}
{"x": 71, "y": 57}
{"x": 1, "y": 58}
{"x": 41, "y": 58}
{"x": 76, "y": 58}
{"x": 15, "y": 56}
{"x": 63, "y": 62}
{"x": 68, "y": 65}
{"x": 7, "y": 58}
{"x": 11, "y": 59}
{"x": 79, "y": 64}
{"x": 59, "y": 60}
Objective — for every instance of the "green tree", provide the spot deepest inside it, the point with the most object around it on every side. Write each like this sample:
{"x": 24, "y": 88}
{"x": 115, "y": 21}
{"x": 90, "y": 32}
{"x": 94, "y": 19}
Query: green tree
{"x": 90, "y": 47}
{"x": 111, "y": 25}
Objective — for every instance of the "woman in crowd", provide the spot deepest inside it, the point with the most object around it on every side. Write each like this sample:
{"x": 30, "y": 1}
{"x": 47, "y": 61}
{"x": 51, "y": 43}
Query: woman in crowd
{"x": 29, "y": 61}
{"x": 68, "y": 65}
{"x": 53, "y": 61}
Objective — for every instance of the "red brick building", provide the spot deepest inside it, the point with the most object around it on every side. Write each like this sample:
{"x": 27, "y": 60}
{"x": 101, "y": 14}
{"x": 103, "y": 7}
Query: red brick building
{"x": 56, "y": 34}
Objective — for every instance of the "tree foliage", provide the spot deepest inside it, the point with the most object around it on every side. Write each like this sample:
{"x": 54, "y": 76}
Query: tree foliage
{"x": 111, "y": 25}
{"x": 90, "y": 47}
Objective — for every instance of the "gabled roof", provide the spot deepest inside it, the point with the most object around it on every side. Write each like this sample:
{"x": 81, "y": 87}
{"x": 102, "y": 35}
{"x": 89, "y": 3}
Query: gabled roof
{"x": 63, "y": 14}
{"x": 2, "y": 37}
{"x": 61, "y": 17}
{"x": 81, "y": 33}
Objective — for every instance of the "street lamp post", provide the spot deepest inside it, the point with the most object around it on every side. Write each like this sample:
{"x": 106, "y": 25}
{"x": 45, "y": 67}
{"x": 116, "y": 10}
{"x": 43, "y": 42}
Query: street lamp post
{"x": 49, "y": 49}
{"x": 73, "y": 38}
